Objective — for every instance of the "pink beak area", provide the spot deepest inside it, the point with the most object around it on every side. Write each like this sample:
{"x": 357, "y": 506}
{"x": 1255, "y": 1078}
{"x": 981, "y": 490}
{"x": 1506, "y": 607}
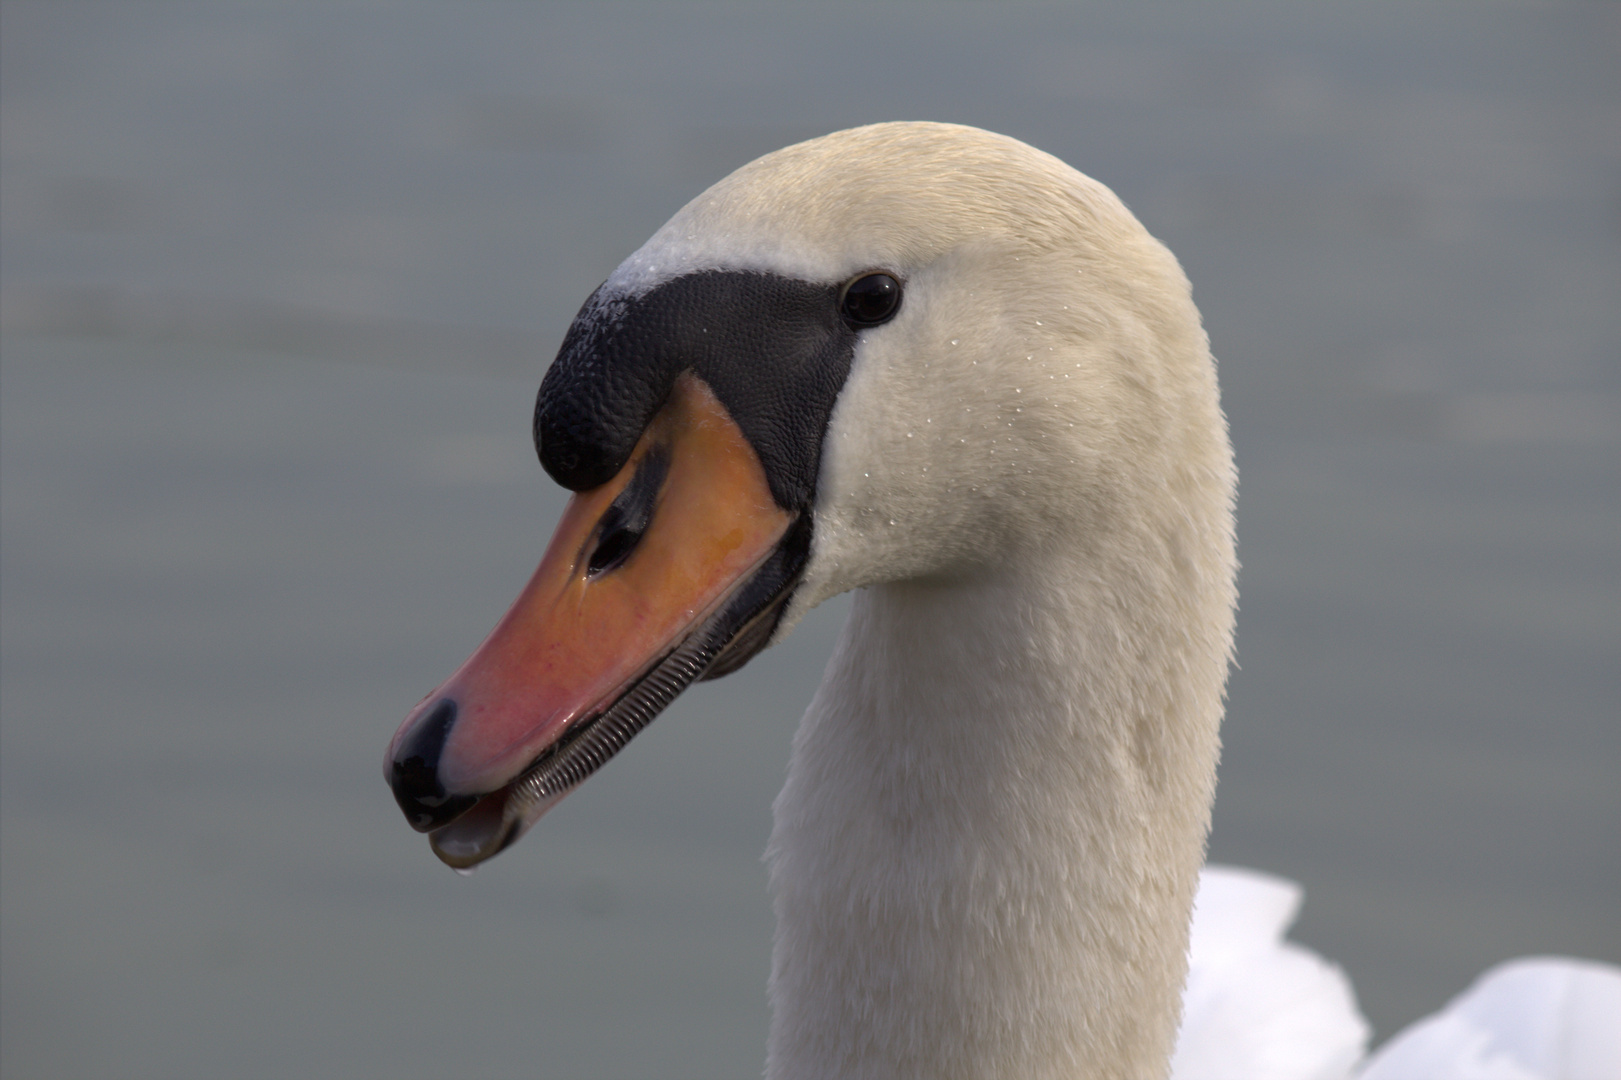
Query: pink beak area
{"x": 604, "y": 630}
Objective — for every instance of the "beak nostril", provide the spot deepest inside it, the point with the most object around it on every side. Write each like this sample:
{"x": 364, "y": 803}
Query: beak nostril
{"x": 414, "y": 772}
{"x": 614, "y": 549}
{"x": 629, "y": 515}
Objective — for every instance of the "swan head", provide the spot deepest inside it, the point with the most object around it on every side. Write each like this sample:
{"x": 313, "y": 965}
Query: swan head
{"x": 900, "y": 352}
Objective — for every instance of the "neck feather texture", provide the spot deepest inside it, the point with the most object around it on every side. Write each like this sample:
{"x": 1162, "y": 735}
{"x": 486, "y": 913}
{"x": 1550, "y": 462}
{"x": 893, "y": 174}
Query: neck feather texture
{"x": 985, "y": 854}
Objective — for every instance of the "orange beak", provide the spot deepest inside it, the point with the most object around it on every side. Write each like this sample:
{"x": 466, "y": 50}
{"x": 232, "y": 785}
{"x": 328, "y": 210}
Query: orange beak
{"x": 675, "y": 567}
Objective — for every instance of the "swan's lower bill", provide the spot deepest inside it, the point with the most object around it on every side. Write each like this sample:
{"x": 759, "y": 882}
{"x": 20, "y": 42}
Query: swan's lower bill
{"x": 675, "y": 568}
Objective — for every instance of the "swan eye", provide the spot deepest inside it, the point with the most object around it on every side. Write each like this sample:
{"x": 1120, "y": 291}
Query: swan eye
{"x": 870, "y": 299}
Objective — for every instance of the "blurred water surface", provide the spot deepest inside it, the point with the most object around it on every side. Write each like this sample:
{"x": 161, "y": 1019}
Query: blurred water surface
{"x": 279, "y": 281}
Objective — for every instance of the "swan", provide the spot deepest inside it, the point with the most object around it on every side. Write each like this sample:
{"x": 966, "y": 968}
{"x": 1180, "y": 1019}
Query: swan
{"x": 945, "y": 370}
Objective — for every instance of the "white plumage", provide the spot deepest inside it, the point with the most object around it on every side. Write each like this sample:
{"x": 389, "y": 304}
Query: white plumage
{"x": 1537, "y": 1018}
{"x": 1258, "y": 1007}
{"x": 988, "y": 844}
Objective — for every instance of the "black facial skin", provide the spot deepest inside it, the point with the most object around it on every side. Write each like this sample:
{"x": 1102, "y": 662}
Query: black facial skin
{"x": 774, "y": 350}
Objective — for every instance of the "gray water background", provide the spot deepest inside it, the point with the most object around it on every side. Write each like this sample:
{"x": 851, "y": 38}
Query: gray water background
{"x": 279, "y": 281}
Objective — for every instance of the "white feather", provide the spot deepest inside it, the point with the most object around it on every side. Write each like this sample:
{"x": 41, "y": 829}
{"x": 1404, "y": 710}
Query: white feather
{"x": 1257, "y": 1007}
{"x": 1540, "y": 1018}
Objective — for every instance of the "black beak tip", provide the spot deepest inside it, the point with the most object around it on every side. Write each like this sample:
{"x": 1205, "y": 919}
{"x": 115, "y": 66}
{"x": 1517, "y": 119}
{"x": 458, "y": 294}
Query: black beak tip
{"x": 414, "y": 773}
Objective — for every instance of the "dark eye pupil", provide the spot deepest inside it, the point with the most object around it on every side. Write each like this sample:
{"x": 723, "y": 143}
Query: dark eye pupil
{"x": 871, "y": 299}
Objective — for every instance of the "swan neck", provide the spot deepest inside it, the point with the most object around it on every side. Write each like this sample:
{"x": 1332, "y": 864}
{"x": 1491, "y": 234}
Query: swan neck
{"x": 985, "y": 853}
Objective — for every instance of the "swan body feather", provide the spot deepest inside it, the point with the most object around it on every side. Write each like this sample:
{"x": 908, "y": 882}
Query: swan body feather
{"x": 1535, "y": 1018}
{"x": 1256, "y": 1005}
